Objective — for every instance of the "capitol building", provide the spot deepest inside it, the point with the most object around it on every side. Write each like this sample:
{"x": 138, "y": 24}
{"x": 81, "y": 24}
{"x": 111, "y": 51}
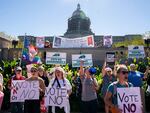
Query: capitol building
{"x": 79, "y": 26}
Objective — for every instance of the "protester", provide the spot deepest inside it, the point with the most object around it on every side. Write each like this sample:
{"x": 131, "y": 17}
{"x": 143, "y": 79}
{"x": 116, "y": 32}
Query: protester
{"x": 42, "y": 74}
{"x": 108, "y": 78}
{"x": 16, "y": 107}
{"x": 111, "y": 94}
{"x": 60, "y": 81}
{"x": 89, "y": 88}
{"x": 76, "y": 83}
{"x": 47, "y": 44}
{"x": 1, "y": 79}
{"x": 148, "y": 82}
{"x": 136, "y": 77}
{"x": 33, "y": 106}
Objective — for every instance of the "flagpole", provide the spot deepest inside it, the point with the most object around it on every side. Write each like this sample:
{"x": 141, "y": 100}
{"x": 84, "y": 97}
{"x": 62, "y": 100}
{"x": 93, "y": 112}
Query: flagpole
{"x": 22, "y": 49}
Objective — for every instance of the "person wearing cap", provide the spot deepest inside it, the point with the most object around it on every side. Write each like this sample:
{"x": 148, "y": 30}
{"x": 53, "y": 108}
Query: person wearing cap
{"x": 16, "y": 107}
{"x": 33, "y": 106}
{"x": 47, "y": 44}
{"x": 60, "y": 81}
{"x": 136, "y": 77}
{"x": 89, "y": 89}
{"x": 1, "y": 79}
{"x": 110, "y": 98}
{"x": 108, "y": 78}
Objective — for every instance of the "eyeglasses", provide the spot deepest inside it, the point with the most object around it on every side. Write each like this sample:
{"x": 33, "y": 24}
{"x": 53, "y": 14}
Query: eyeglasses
{"x": 124, "y": 72}
{"x": 33, "y": 70}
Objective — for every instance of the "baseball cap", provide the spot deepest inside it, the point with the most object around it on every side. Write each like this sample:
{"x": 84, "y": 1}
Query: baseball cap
{"x": 18, "y": 68}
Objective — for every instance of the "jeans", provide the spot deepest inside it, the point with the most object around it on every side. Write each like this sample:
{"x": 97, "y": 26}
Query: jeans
{"x": 32, "y": 106}
{"x": 17, "y": 107}
{"x": 90, "y": 106}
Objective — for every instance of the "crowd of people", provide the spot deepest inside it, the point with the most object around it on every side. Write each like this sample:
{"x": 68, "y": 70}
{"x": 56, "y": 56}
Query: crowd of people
{"x": 86, "y": 85}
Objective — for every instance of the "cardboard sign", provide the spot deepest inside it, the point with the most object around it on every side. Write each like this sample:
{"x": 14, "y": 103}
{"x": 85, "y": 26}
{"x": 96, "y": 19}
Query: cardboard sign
{"x": 55, "y": 58}
{"x": 40, "y": 41}
{"x": 136, "y": 51}
{"x": 107, "y": 41}
{"x": 56, "y": 97}
{"x": 129, "y": 100}
{"x": 86, "y": 58}
{"x": 81, "y": 42}
{"x": 22, "y": 90}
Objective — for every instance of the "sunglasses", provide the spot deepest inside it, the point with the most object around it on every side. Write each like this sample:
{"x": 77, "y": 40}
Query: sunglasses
{"x": 18, "y": 70}
{"x": 124, "y": 72}
{"x": 33, "y": 70}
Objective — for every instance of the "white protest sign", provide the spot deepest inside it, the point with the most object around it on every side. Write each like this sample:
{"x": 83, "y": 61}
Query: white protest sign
{"x": 40, "y": 41}
{"x": 55, "y": 58}
{"x": 22, "y": 90}
{"x": 129, "y": 100}
{"x": 86, "y": 58}
{"x": 56, "y": 97}
{"x": 81, "y": 42}
{"x": 107, "y": 41}
{"x": 136, "y": 51}
{"x": 110, "y": 57}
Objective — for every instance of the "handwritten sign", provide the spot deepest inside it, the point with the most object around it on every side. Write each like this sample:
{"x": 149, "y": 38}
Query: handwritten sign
{"x": 129, "y": 100}
{"x": 55, "y": 58}
{"x": 86, "y": 58}
{"x": 22, "y": 90}
{"x": 56, "y": 97}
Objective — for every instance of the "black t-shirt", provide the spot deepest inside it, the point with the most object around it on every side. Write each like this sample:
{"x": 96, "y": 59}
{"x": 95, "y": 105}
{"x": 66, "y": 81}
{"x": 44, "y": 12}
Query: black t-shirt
{"x": 46, "y": 81}
{"x": 148, "y": 80}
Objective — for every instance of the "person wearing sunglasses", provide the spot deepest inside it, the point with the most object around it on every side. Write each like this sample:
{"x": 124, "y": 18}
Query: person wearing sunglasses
{"x": 108, "y": 78}
{"x": 111, "y": 94}
{"x": 33, "y": 106}
{"x": 16, "y": 107}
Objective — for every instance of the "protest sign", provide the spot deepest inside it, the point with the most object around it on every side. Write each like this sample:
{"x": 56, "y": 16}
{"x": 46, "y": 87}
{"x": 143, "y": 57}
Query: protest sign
{"x": 86, "y": 58}
{"x": 136, "y": 51}
{"x": 22, "y": 90}
{"x": 129, "y": 100}
{"x": 56, "y": 97}
{"x": 82, "y": 42}
{"x": 107, "y": 41}
{"x": 40, "y": 41}
{"x": 110, "y": 56}
{"x": 55, "y": 58}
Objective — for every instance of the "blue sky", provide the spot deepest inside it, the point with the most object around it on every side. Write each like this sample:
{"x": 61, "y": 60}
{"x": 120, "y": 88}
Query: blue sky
{"x": 49, "y": 17}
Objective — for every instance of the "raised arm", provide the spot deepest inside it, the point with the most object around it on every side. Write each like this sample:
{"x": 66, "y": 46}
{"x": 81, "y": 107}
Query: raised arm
{"x": 103, "y": 69}
{"x": 81, "y": 71}
{"x": 146, "y": 72}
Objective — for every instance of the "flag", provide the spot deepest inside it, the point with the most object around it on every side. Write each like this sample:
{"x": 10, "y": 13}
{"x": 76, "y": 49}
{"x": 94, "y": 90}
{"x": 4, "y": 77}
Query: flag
{"x": 29, "y": 53}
